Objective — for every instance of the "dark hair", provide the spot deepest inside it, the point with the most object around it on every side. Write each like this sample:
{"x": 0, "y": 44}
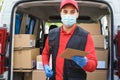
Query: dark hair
{"x": 52, "y": 27}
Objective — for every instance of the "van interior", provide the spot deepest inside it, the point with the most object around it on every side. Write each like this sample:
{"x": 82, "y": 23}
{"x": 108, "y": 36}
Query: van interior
{"x": 35, "y": 17}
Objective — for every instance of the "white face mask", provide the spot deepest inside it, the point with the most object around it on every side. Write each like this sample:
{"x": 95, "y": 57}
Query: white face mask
{"x": 68, "y": 20}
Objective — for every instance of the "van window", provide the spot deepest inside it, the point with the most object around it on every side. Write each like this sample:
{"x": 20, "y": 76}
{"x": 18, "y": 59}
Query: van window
{"x": 48, "y": 24}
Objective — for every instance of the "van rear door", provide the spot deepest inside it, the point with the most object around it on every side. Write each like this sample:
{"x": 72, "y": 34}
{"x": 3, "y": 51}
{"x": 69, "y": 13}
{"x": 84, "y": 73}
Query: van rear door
{"x": 91, "y": 12}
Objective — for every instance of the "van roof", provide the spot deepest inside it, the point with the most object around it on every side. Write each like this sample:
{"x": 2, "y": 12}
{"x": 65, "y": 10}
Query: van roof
{"x": 49, "y": 10}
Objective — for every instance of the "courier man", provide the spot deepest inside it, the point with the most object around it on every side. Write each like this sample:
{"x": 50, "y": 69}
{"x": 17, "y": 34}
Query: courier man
{"x": 69, "y": 35}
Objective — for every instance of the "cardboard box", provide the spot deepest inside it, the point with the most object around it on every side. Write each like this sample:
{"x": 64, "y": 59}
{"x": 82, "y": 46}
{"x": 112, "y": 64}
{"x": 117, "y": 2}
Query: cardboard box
{"x": 97, "y": 75}
{"x": 94, "y": 29}
{"x": 39, "y": 62}
{"x": 69, "y": 53}
{"x": 98, "y": 41}
{"x": 22, "y": 70}
{"x": 24, "y": 40}
{"x": 38, "y": 75}
{"x": 28, "y": 76}
{"x": 102, "y": 56}
{"x": 25, "y": 59}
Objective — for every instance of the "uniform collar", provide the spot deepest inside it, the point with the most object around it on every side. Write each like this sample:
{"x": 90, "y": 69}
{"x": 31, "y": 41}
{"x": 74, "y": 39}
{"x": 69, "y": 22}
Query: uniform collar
{"x": 71, "y": 32}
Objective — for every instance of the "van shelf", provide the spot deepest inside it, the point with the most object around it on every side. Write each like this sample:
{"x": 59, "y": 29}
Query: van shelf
{"x": 22, "y": 70}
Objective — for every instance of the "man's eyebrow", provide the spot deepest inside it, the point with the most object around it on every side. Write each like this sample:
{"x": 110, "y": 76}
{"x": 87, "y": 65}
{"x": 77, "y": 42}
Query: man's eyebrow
{"x": 73, "y": 9}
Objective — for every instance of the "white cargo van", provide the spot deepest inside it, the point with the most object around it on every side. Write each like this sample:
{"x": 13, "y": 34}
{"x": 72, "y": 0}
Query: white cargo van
{"x": 99, "y": 17}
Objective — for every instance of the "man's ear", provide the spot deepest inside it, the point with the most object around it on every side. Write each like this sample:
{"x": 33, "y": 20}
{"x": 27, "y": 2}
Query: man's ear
{"x": 60, "y": 13}
{"x": 77, "y": 15}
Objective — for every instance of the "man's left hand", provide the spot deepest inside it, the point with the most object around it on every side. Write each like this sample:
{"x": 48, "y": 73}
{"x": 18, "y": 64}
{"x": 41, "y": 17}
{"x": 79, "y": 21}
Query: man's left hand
{"x": 79, "y": 60}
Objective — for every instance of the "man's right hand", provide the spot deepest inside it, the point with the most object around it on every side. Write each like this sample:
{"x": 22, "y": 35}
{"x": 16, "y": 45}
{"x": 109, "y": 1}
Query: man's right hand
{"x": 48, "y": 71}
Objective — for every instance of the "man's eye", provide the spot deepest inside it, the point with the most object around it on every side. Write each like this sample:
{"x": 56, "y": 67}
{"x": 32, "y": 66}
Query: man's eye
{"x": 65, "y": 12}
{"x": 72, "y": 12}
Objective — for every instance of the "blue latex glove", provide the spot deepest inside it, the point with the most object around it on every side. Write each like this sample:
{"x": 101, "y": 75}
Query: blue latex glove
{"x": 79, "y": 60}
{"x": 48, "y": 71}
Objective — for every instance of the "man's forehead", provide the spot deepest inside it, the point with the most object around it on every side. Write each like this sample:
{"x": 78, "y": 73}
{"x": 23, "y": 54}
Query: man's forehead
{"x": 69, "y": 6}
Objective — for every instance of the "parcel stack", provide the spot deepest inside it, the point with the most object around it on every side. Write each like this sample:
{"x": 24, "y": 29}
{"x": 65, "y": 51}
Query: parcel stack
{"x": 38, "y": 73}
{"x": 24, "y": 52}
{"x": 26, "y": 58}
{"x": 101, "y": 52}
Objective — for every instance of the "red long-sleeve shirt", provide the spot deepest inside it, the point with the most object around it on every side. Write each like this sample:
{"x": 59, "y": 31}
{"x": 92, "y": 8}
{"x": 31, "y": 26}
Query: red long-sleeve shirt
{"x": 64, "y": 38}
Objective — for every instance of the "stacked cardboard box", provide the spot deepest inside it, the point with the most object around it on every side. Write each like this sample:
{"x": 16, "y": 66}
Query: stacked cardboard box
{"x": 24, "y": 52}
{"x": 39, "y": 65}
{"x": 94, "y": 29}
{"x": 27, "y": 58}
{"x": 28, "y": 76}
{"x": 35, "y": 75}
{"x": 101, "y": 52}
{"x": 97, "y": 75}
{"x": 38, "y": 73}
{"x": 24, "y": 41}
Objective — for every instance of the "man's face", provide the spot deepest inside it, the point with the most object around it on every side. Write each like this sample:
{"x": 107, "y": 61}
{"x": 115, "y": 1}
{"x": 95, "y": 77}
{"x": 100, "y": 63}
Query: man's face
{"x": 69, "y": 9}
